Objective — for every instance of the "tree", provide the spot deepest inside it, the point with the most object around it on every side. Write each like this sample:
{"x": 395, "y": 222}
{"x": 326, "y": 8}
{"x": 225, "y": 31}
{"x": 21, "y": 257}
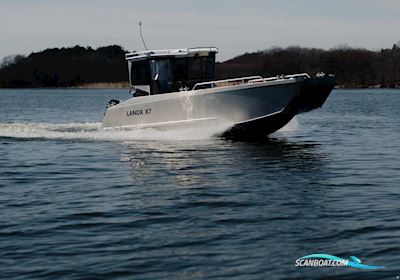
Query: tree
{"x": 11, "y": 59}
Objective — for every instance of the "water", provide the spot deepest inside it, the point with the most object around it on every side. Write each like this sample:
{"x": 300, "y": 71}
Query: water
{"x": 77, "y": 202}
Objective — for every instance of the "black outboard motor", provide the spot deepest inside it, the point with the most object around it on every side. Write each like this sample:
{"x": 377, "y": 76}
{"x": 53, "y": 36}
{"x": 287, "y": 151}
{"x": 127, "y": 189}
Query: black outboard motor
{"x": 138, "y": 92}
{"x": 112, "y": 102}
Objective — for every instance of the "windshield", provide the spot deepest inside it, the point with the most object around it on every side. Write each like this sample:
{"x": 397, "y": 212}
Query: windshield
{"x": 139, "y": 73}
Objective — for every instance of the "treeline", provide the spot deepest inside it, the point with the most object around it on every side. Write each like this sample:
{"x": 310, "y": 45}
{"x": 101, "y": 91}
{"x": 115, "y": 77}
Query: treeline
{"x": 65, "y": 67}
{"x": 77, "y": 66}
{"x": 352, "y": 67}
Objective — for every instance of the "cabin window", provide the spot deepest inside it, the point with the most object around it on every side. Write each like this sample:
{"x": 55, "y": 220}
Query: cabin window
{"x": 170, "y": 74}
{"x": 210, "y": 66}
{"x": 140, "y": 73}
{"x": 197, "y": 68}
{"x": 181, "y": 69}
{"x": 201, "y": 67}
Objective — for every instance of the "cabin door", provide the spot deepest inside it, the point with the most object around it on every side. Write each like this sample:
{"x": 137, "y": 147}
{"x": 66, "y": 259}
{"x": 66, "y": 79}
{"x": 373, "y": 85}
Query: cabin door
{"x": 161, "y": 76}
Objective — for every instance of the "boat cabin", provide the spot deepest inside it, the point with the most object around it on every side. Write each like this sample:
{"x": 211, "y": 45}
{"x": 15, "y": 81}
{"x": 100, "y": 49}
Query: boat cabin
{"x": 163, "y": 71}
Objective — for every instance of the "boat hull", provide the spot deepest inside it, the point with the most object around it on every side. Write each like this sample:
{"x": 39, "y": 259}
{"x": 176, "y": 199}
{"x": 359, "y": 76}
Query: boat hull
{"x": 312, "y": 94}
{"x": 248, "y": 110}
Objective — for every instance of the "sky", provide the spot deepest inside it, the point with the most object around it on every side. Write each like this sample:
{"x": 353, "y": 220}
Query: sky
{"x": 234, "y": 26}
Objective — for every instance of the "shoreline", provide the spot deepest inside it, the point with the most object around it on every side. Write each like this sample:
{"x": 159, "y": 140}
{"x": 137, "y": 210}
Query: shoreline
{"x": 103, "y": 85}
{"x": 100, "y": 85}
{"x": 125, "y": 85}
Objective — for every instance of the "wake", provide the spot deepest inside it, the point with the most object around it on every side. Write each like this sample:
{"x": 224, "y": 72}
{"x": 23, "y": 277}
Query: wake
{"x": 94, "y": 132}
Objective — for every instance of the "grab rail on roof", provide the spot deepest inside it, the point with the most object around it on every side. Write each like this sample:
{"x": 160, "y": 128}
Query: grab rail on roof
{"x": 168, "y": 52}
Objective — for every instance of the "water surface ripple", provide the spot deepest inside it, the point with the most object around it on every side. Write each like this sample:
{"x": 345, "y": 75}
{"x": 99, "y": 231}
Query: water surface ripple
{"x": 80, "y": 203}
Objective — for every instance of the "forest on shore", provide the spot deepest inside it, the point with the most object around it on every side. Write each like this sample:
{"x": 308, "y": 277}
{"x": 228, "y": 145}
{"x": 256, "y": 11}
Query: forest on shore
{"x": 80, "y": 66}
{"x": 65, "y": 67}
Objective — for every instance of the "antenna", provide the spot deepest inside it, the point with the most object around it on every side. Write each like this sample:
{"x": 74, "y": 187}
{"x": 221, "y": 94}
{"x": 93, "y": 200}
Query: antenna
{"x": 141, "y": 35}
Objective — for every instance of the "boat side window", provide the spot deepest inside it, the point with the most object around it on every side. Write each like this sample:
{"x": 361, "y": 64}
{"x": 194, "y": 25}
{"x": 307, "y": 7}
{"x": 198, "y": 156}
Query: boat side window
{"x": 210, "y": 66}
{"x": 181, "y": 73}
{"x": 181, "y": 69}
{"x": 140, "y": 73}
{"x": 197, "y": 68}
{"x": 201, "y": 67}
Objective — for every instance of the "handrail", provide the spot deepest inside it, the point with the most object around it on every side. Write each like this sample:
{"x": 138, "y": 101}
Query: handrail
{"x": 242, "y": 79}
{"x": 282, "y": 77}
{"x": 297, "y": 75}
{"x": 250, "y": 80}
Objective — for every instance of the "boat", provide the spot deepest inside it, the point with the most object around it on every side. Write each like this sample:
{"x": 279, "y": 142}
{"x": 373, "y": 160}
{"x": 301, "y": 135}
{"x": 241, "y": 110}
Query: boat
{"x": 177, "y": 88}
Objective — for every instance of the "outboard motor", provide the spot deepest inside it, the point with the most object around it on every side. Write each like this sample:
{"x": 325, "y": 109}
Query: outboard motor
{"x": 112, "y": 102}
{"x": 138, "y": 92}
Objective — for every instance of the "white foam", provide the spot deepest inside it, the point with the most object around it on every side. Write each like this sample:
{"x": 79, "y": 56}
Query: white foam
{"x": 293, "y": 125}
{"x": 93, "y": 131}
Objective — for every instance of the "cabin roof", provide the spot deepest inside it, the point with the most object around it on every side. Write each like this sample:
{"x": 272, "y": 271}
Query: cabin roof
{"x": 170, "y": 53}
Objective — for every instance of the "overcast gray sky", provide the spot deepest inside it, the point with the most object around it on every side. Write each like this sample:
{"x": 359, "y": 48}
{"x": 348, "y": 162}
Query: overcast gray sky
{"x": 235, "y": 26}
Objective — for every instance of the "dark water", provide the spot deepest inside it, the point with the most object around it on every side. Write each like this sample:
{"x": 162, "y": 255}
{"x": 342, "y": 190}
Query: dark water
{"x": 79, "y": 203}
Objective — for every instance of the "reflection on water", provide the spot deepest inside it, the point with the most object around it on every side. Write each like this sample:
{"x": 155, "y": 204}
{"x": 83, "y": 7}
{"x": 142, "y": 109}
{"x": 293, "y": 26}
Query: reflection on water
{"x": 191, "y": 163}
{"x": 272, "y": 186}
